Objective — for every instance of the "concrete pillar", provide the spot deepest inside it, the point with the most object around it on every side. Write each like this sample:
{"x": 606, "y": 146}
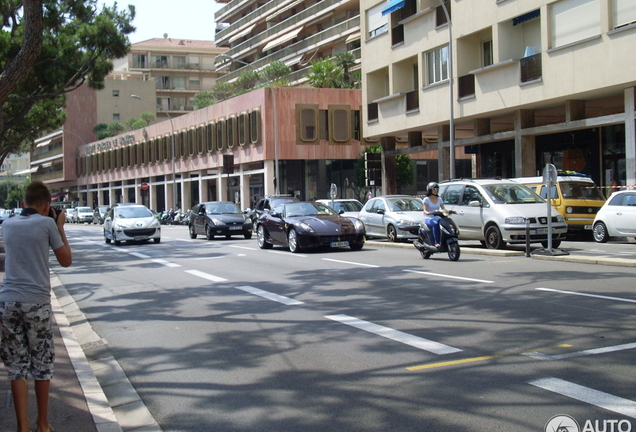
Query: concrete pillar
{"x": 389, "y": 165}
{"x": 269, "y": 177}
{"x": 245, "y": 190}
{"x": 443, "y": 153}
{"x": 153, "y": 196}
{"x": 630, "y": 138}
{"x": 524, "y": 145}
{"x": 203, "y": 188}
{"x": 574, "y": 110}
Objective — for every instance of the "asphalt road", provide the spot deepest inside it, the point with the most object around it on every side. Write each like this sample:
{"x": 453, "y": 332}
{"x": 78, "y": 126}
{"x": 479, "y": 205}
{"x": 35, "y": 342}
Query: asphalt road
{"x": 222, "y": 336}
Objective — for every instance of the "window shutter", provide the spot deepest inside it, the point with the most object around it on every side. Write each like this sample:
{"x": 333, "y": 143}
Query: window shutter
{"x": 574, "y": 20}
{"x": 624, "y": 12}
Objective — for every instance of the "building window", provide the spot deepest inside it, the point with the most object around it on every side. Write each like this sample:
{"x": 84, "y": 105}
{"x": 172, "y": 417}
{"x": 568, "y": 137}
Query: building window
{"x": 160, "y": 62}
{"x": 139, "y": 61}
{"x": 209, "y": 145}
{"x": 486, "y": 53}
{"x": 231, "y": 131}
{"x": 255, "y": 126}
{"x": 437, "y": 65}
{"x": 242, "y": 129}
{"x": 179, "y": 62}
{"x": 179, "y": 83}
{"x": 308, "y": 124}
{"x": 115, "y": 93}
{"x": 163, "y": 83}
{"x": 376, "y": 22}
{"x": 220, "y": 134}
{"x": 574, "y": 20}
{"x": 116, "y": 117}
{"x": 340, "y": 125}
{"x": 624, "y": 12}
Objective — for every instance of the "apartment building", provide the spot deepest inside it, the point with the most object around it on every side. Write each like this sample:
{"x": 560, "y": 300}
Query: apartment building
{"x": 515, "y": 84}
{"x": 295, "y": 32}
{"x": 180, "y": 68}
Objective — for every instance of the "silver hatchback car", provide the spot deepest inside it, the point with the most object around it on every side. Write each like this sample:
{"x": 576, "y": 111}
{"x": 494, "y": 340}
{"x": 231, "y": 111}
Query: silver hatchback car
{"x": 394, "y": 217}
{"x": 495, "y": 212}
{"x": 131, "y": 222}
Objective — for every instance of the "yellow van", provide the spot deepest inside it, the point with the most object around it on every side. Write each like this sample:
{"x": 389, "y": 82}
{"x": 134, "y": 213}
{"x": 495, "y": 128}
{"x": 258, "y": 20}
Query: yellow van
{"x": 576, "y": 197}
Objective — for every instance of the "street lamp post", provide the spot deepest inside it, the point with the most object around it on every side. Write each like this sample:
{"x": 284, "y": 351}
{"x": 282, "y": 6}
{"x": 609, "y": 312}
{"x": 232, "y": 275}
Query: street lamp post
{"x": 273, "y": 93}
{"x": 451, "y": 136}
{"x": 174, "y": 177}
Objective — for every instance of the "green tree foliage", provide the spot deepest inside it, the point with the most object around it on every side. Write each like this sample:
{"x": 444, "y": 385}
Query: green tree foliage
{"x": 203, "y": 99}
{"x": 47, "y": 49}
{"x": 148, "y": 117}
{"x": 276, "y": 73}
{"x": 403, "y": 171}
{"x": 139, "y": 124}
{"x": 101, "y": 130}
{"x": 11, "y": 193}
{"x": 130, "y": 121}
{"x": 325, "y": 73}
{"x": 247, "y": 80}
{"x": 222, "y": 91}
{"x": 115, "y": 128}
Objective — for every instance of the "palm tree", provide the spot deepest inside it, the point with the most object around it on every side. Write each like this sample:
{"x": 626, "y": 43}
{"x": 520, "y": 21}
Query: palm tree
{"x": 325, "y": 73}
{"x": 346, "y": 61}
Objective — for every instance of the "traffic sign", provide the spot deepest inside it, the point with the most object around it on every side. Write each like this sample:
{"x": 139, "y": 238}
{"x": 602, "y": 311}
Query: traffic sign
{"x": 144, "y": 186}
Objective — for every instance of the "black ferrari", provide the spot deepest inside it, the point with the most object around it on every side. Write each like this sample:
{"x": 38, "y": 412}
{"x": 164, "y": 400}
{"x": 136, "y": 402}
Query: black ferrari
{"x": 304, "y": 225}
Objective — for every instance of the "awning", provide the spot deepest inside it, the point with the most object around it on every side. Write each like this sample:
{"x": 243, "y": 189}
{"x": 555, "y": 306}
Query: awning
{"x": 353, "y": 37}
{"x": 43, "y": 143}
{"x": 526, "y": 17}
{"x": 26, "y": 171}
{"x": 242, "y": 33}
{"x": 58, "y": 195}
{"x": 393, "y": 6}
{"x": 274, "y": 14}
{"x": 284, "y": 38}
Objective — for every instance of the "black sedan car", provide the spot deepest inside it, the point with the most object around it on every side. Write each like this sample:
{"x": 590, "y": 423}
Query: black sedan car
{"x": 307, "y": 224}
{"x": 219, "y": 218}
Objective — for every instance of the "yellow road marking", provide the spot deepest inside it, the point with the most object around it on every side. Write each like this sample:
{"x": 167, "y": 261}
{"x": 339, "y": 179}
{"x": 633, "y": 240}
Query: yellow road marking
{"x": 470, "y": 360}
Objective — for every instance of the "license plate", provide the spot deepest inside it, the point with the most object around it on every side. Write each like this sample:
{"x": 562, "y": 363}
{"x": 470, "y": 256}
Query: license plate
{"x": 340, "y": 244}
{"x": 542, "y": 230}
{"x": 236, "y": 228}
{"x": 139, "y": 238}
{"x": 587, "y": 227}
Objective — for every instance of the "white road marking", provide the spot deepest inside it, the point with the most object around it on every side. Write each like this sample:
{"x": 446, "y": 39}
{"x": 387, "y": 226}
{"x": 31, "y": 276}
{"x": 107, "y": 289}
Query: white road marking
{"x": 206, "y": 276}
{"x": 595, "y": 351}
{"x": 244, "y": 247}
{"x": 207, "y": 258}
{"x": 166, "y": 263}
{"x": 451, "y": 277}
{"x": 271, "y": 296}
{"x": 597, "y": 398}
{"x": 350, "y": 262}
{"x": 396, "y": 335}
{"x": 287, "y": 253}
{"x": 587, "y": 295}
{"x": 140, "y": 255}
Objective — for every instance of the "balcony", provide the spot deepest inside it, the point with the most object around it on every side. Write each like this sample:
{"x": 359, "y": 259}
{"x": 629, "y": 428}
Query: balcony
{"x": 466, "y": 86}
{"x": 531, "y": 68}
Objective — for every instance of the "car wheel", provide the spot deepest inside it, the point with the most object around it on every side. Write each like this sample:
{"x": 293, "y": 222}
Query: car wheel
{"x": 193, "y": 233}
{"x": 453, "y": 251}
{"x": 493, "y": 238}
{"x": 261, "y": 238}
{"x": 208, "y": 233}
{"x": 106, "y": 239}
{"x": 356, "y": 246}
{"x": 157, "y": 240}
{"x": 117, "y": 242}
{"x": 247, "y": 235}
{"x": 600, "y": 233}
{"x": 391, "y": 233}
{"x": 292, "y": 241}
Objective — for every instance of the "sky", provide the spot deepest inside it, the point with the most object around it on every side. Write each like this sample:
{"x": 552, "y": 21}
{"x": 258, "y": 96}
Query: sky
{"x": 181, "y": 19}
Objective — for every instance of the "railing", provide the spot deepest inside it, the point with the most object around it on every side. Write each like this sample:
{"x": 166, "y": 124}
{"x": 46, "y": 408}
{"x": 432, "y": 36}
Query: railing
{"x": 466, "y": 86}
{"x": 413, "y": 100}
{"x": 48, "y": 154}
{"x": 397, "y": 34}
{"x": 530, "y": 68}
{"x": 372, "y": 111}
{"x": 350, "y": 24}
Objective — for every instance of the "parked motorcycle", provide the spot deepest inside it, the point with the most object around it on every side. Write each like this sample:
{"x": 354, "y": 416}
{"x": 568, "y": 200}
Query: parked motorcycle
{"x": 448, "y": 232}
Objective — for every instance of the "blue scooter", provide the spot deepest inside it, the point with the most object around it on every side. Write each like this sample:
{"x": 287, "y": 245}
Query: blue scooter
{"x": 448, "y": 238}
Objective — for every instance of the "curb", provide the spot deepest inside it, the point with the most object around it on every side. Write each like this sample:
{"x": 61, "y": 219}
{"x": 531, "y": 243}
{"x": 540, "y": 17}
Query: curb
{"x": 578, "y": 259}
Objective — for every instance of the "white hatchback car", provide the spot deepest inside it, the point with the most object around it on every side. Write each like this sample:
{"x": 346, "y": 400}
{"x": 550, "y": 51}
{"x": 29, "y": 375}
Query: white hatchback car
{"x": 617, "y": 217}
{"x": 131, "y": 222}
{"x": 495, "y": 212}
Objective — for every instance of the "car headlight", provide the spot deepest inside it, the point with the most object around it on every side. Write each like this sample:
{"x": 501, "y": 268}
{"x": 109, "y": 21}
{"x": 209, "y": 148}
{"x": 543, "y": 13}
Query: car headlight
{"x": 359, "y": 226}
{"x": 307, "y": 228}
{"x": 568, "y": 210}
{"x": 405, "y": 222}
{"x": 560, "y": 218}
{"x": 517, "y": 220}
{"x": 217, "y": 222}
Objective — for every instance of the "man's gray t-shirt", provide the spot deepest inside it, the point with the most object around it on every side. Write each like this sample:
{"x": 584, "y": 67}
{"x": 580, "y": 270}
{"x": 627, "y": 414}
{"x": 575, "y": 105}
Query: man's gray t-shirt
{"x": 27, "y": 240}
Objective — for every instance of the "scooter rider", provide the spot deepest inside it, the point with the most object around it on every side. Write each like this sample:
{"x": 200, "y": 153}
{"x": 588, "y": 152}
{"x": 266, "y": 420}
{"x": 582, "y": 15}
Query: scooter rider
{"x": 433, "y": 203}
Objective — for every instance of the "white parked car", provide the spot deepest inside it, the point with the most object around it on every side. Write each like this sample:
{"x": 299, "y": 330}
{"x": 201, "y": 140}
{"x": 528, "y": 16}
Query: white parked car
{"x": 131, "y": 222}
{"x": 617, "y": 217}
{"x": 394, "y": 217}
{"x": 495, "y": 212}
{"x": 83, "y": 214}
{"x": 344, "y": 206}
